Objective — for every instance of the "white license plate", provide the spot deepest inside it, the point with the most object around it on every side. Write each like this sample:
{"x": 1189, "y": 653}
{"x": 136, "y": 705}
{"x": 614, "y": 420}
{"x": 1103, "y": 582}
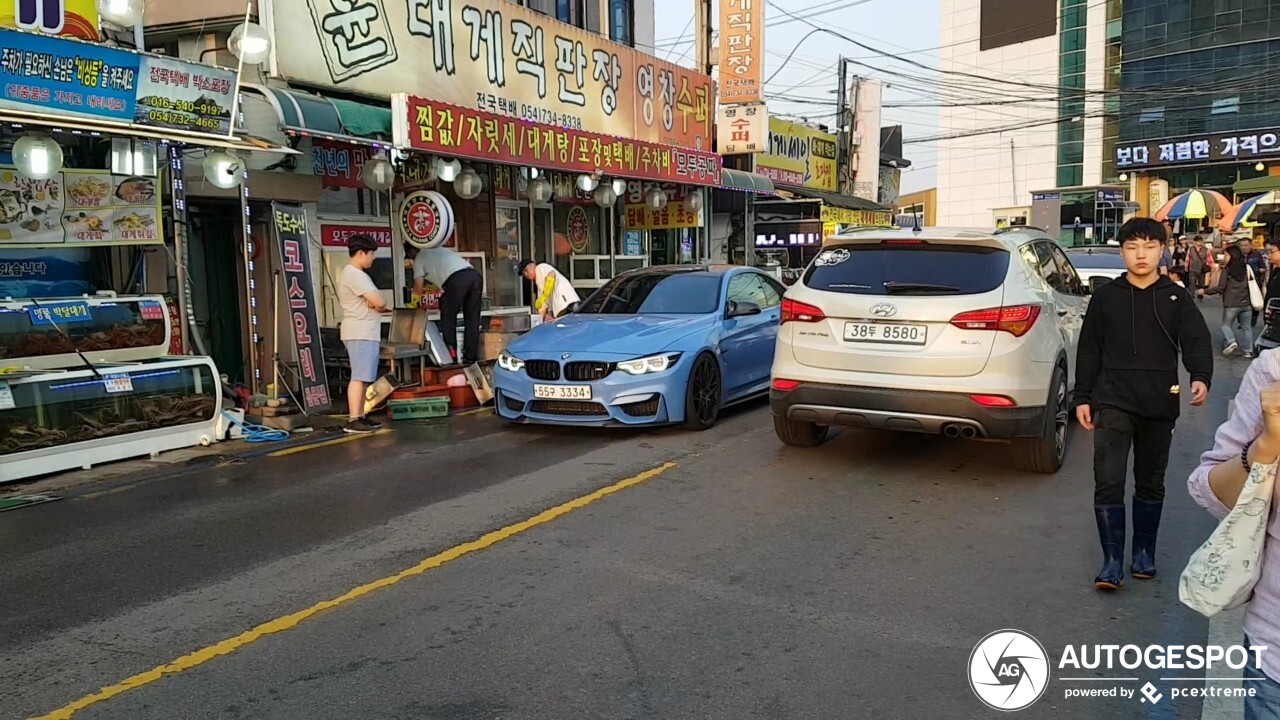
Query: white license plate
{"x": 893, "y": 333}
{"x": 562, "y": 392}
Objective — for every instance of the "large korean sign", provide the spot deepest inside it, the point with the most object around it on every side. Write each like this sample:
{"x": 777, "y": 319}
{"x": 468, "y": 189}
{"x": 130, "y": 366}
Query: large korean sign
{"x": 480, "y": 135}
{"x": 50, "y": 75}
{"x": 290, "y": 225}
{"x": 742, "y": 129}
{"x": 1249, "y": 146}
{"x": 741, "y": 51}
{"x": 79, "y": 207}
{"x": 495, "y": 56}
{"x": 845, "y": 216}
{"x": 69, "y": 18}
{"x": 676, "y": 213}
{"x": 799, "y": 156}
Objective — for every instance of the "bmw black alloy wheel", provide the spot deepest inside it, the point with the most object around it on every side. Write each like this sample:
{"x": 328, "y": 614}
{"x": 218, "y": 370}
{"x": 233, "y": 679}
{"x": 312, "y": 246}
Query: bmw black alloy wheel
{"x": 706, "y": 390}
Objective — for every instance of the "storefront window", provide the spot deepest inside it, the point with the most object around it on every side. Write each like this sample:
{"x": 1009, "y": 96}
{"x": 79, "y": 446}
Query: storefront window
{"x": 353, "y": 201}
{"x": 506, "y": 290}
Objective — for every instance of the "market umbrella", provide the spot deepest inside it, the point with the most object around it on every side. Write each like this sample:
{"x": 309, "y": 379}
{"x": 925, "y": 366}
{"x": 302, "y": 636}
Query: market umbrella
{"x": 1245, "y": 211}
{"x": 1196, "y": 205}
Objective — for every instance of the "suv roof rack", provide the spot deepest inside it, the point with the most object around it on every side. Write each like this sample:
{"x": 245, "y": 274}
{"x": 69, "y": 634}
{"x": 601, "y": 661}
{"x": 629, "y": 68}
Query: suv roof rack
{"x": 1018, "y": 228}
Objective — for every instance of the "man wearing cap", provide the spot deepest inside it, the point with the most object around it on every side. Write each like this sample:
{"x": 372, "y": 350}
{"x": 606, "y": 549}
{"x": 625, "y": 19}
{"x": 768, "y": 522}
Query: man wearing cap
{"x": 462, "y": 289}
{"x": 556, "y": 296}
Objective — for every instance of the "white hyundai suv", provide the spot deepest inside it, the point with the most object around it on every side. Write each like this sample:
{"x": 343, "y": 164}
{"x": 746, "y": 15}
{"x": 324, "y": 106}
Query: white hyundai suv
{"x": 962, "y": 333}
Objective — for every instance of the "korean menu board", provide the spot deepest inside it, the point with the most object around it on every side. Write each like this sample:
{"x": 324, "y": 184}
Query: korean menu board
{"x": 79, "y": 207}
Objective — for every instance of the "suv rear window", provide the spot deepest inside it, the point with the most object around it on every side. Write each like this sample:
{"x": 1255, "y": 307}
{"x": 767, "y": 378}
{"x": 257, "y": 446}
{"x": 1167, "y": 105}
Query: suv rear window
{"x": 916, "y": 269}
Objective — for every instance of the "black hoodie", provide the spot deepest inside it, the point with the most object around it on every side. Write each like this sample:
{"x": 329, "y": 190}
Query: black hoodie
{"x": 1128, "y": 353}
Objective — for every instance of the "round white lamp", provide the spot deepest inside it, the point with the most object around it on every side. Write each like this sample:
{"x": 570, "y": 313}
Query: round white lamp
{"x": 587, "y": 183}
{"x": 448, "y": 170}
{"x": 1124, "y": 177}
{"x": 250, "y": 42}
{"x": 468, "y": 185}
{"x": 539, "y": 190}
{"x": 223, "y": 169}
{"x": 121, "y": 13}
{"x": 656, "y": 199}
{"x": 695, "y": 201}
{"x": 620, "y": 186}
{"x": 1260, "y": 166}
{"x": 38, "y": 157}
{"x": 605, "y": 196}
{"x": 378, "y": 174}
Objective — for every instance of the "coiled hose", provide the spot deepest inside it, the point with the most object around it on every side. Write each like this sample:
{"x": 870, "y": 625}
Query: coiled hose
{"x": 257, "y": 433}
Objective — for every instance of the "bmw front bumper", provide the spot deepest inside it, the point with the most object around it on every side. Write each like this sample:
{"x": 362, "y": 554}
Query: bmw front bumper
{"x": 618, "y": 399}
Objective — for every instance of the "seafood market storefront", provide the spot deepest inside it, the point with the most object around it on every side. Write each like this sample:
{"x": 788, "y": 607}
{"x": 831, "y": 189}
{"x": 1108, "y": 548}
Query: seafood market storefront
{"x": 92, "y": 349}
{"x": 545, "y": 137}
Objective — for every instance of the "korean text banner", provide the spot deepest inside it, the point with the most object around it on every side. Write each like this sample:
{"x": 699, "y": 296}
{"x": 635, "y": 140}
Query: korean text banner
{"x": 496, "y": 56}
{"x": 56, "y": 76}
{"x": 79, "y": 207}
{"x": 799, "y": 156}
{"x": 290, "y": 225}
{"x": 458, "y": 132}
{"x": 741, "y": 51}
{"x": 70, "y": 18}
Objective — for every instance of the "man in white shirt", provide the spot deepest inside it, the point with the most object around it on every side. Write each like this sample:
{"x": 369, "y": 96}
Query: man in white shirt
{"x": 556, "y": 296}
{"x": 462, "y": 289}
{"x": 361, "y": 329}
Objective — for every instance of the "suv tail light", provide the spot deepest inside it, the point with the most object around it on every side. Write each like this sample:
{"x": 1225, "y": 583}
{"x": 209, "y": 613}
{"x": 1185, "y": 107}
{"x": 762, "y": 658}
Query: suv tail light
{"x": 794, "y": 311}
{"x": 1016, "y": 320}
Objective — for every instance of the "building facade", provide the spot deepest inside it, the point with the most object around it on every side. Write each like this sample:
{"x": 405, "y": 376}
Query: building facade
{"x": 1200, "y": 107}
{"x": 1006, "y": 132}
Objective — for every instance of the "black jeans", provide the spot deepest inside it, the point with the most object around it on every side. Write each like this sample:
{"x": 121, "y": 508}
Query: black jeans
{"x": 462, "y": 291}
{"x": 1115, "y": 432}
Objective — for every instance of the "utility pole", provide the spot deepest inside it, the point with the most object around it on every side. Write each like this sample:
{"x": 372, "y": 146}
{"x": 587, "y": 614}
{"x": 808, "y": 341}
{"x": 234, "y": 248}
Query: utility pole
{"x": 706, "y": 61}
{"x": 842, "y": 135}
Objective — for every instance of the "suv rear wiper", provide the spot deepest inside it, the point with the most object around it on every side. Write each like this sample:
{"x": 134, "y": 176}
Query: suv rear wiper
{"x": 894, "y": 288}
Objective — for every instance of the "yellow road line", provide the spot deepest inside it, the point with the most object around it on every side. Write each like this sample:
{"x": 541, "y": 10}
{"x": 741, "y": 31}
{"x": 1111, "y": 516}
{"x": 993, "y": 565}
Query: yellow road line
{"x": 324, "y": 443}
{"x": 281, "y": 624}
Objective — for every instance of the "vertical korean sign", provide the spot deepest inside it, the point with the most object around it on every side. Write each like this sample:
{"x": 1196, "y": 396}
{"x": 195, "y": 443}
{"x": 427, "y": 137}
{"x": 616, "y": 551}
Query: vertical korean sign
{"x": 741, "y": 51}
{"x": 290, "y": 223}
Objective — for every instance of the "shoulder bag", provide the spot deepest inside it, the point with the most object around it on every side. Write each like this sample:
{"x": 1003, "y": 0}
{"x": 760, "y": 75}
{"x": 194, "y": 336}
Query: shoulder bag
{"x": 1255, "y": 292}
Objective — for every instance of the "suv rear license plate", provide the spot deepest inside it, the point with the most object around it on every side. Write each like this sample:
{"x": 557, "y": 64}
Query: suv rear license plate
{"x": 892, "y": 333}
{"x": 562, "y": 392}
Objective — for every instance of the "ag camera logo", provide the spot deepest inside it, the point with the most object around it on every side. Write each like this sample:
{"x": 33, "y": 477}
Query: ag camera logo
{"x": 1009, "y": 670}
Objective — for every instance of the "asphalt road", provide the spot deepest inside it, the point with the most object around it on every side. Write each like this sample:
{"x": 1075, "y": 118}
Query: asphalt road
{"x": 730, "y": 578}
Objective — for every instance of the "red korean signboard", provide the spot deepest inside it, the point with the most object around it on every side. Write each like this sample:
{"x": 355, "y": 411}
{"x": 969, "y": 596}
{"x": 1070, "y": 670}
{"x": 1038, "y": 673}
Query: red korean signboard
{"x": 290, "y": 224}
{"x": 339, "y": 235}
{"x": 455, "y": 131}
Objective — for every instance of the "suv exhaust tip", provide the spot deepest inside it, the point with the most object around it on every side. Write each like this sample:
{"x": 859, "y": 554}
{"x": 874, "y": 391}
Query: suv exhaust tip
{"x": 968, "y": 432}
{"x": 951, "y": 431}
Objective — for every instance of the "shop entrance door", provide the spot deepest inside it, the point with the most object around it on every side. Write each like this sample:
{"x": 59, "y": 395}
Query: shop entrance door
{"x": 216, "y": 268}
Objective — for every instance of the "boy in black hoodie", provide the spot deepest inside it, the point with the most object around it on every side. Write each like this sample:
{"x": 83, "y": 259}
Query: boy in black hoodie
{"x": 1127, "y": 388}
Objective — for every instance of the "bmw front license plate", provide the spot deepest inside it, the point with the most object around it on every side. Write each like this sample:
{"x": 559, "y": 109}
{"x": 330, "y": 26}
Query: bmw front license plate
{"x": 892, "y": 333}
{"x": 562, "y": 392}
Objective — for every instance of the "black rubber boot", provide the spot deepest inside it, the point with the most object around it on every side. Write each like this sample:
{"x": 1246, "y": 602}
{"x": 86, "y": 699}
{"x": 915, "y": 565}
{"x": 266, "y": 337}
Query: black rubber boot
{"x": 1146, "y": 525}
{"x": 1111, "y": 534}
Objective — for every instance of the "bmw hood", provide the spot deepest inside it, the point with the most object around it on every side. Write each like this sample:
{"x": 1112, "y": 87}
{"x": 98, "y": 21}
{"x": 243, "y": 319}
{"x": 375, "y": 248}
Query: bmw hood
{"x": 629, "y": 335}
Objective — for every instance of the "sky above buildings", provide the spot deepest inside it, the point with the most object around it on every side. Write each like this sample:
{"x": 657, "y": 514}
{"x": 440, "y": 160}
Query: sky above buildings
{"x": 896, "y": 33}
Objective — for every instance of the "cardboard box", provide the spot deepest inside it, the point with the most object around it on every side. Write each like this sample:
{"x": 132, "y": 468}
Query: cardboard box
{"x": 493, "y": 343}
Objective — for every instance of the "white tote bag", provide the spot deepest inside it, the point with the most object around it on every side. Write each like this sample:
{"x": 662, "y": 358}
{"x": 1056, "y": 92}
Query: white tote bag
{"x": 1255, "y": 292}
{"x": 1221, "y": 574}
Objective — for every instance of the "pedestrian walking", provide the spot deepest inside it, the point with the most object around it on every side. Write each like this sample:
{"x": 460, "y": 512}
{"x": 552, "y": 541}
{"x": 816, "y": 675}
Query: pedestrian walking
{"x": 1127, "y": 392}
{"x": 1257, "y": 262}
{"x": 1199, "y": 260}
{"x": 1248, "y": 445}
{"x": 1233, "y": 286}
{"x": 556, "y": 295}
{"x": 462, "y": 290}
{"x": 361, "y": 329}
{"x": 1272, "y": 248}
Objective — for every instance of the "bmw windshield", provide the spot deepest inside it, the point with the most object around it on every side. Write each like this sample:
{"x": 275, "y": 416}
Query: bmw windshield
{"x": 691, "y": 293}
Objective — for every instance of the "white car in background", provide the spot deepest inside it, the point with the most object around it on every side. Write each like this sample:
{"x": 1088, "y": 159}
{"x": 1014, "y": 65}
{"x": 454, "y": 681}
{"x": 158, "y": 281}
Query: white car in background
{"x": 962, "y": 333}
{"x": 1096, "y": 264}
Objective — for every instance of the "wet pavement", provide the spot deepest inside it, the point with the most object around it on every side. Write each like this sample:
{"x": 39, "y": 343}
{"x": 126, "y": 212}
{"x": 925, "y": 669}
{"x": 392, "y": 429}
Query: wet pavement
{"x": 730, "y": 577}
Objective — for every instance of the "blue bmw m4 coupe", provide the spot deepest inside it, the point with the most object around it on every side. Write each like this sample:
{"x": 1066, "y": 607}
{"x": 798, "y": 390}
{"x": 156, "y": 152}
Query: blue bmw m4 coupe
{"x": 660, "y": 345}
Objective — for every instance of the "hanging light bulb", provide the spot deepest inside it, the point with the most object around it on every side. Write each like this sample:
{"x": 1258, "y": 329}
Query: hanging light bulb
{"x": 605, "y": 196}
{"x": 539, "y": 190}
{"x": 250, "y": 42}
{"x": 38, "y": 157}
{"x": 121, "y": 13}
{"x": 695, "y": 201}
{"x": 378, "y": 174}
{"x": 656, "y": 199}
{"x": 619, "y": 186}
{"x": 448, "y": 170}
{"x": 223, "y": 169}
{"x": 587, "y": 183}
{"x": 1260, "y": 166}
{"x": 468, "y": 185}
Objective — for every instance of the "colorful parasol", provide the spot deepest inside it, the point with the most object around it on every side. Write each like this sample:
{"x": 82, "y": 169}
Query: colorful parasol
{"x": 1244, "y": 212}
{"x": 1196, "y": 205}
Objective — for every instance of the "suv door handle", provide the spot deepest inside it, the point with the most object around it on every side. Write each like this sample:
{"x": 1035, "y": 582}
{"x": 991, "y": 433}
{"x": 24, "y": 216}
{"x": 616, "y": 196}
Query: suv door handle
{"x": 1062, "y": 312}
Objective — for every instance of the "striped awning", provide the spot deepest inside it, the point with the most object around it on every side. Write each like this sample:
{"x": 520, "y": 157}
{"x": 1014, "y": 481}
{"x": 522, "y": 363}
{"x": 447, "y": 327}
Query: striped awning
{"x": 333, "y": 118}
{"x": 743, "y": 180}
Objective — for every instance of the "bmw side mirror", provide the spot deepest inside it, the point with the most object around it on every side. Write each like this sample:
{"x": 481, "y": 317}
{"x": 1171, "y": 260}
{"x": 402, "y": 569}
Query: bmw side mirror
{"x": 742, "y": 309}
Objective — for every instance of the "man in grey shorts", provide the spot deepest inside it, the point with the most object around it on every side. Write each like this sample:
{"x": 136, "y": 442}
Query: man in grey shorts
{"x": 361, "y": 328}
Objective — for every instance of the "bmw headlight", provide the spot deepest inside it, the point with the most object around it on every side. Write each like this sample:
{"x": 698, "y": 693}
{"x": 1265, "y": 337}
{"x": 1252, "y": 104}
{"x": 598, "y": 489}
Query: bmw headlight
{"x": 651, "y": 364}
{"x": 509, "y": 362}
